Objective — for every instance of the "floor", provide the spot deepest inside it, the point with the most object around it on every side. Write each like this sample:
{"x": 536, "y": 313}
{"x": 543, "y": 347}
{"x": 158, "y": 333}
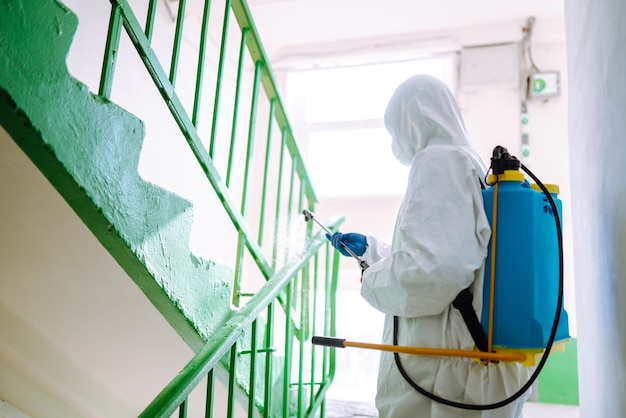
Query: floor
{"x": 546, "y": 410}
{"x": 346, "y": 409}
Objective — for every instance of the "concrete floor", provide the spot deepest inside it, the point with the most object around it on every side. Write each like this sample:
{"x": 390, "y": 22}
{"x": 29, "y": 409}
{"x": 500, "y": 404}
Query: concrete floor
{"x": 346, "y": 409}
{"x": 546, "y": 410}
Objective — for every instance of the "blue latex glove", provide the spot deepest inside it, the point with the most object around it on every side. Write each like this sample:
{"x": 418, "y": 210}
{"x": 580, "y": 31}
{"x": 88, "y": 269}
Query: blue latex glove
{"x": 356, "y": 242}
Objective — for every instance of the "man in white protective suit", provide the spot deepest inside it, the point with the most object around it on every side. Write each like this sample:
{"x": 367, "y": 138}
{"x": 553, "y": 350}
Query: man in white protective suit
{"x": 438, "y": 249}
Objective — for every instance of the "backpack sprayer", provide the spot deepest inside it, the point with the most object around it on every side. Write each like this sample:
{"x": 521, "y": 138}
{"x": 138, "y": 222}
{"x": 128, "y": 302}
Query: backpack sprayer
{"x": 523, "y": 312}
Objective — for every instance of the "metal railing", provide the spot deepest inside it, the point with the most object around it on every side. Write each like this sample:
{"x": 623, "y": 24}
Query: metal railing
{"x": 299, "y": 289}
{"x": 293, "y": 393}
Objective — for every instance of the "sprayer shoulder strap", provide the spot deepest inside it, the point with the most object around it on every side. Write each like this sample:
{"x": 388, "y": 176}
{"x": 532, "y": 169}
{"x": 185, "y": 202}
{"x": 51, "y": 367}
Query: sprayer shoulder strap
{"x": 463, "y": 302}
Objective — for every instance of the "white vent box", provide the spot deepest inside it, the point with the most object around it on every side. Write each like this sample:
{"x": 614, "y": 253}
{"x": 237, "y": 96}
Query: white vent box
{"x": 491, "y": 66}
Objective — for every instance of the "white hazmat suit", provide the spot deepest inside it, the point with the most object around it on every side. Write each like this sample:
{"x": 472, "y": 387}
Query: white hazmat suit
{"x": 438, "y": 249}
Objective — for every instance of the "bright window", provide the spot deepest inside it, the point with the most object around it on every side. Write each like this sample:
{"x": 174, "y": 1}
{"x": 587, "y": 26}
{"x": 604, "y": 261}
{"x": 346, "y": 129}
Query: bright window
{"x": 339, "y": 116}
{"x": 354, "y": 162}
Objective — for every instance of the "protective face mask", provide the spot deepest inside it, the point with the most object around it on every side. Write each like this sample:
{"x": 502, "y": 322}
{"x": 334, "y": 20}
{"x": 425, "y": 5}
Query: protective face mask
{"x": 404, "y": 157}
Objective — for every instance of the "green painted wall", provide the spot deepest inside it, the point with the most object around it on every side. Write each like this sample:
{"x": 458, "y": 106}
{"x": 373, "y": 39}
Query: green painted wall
{"x": 558, "y": 381}
{"x": 89, "y": 149}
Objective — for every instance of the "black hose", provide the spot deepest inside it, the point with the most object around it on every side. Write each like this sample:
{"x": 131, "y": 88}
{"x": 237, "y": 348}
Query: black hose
{"x": 548, "y": 348}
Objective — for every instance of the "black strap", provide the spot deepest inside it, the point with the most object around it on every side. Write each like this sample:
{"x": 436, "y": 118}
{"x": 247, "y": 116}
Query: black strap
{"x": 463, "y": 303}
{"x": 482, "y": 185}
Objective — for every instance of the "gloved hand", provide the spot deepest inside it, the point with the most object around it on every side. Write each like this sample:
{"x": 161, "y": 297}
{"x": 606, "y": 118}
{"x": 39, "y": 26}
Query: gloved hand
{"x": 357, "y": 243}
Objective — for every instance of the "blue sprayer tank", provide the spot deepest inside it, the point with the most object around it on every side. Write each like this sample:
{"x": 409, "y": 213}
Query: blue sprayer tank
{"x": 527, "y": 265}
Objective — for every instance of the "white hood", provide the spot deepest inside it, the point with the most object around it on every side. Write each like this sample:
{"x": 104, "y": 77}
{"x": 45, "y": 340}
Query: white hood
{"x": 423, "y": 112}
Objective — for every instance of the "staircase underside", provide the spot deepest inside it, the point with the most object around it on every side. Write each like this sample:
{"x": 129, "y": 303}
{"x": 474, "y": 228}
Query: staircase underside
{"x": 89, "y": 148}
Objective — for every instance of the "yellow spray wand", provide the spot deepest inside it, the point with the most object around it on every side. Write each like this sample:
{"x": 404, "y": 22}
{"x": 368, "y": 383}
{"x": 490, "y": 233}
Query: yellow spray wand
{"x": 479, "y": 355}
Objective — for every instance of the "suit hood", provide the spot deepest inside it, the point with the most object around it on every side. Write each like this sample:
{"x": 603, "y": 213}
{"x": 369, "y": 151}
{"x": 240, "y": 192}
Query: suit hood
{"x": 421, "y": 112}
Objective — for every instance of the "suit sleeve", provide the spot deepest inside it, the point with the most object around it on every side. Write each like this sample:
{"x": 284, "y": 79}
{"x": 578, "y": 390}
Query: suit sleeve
{"x": 439, "y": 244}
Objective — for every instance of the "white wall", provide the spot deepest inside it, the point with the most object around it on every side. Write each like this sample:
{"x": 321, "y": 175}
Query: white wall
{"x": 596, "y": 37}
{"x": 78, "y": 338}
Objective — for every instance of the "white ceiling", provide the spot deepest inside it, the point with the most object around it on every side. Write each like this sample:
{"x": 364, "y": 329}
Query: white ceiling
{"x": 288, "y": 26}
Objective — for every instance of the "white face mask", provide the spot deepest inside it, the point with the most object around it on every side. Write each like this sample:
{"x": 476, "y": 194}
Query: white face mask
{"x": 401, "y": 155}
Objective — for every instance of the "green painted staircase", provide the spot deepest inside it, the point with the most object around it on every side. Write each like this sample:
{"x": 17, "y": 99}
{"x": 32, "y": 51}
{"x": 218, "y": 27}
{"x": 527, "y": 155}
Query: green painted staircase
{"x": 89, "y": 149}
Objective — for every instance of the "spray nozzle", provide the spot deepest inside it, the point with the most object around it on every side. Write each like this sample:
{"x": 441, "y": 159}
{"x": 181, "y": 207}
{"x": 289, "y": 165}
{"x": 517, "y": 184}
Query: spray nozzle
{"x": 308, "y": 216}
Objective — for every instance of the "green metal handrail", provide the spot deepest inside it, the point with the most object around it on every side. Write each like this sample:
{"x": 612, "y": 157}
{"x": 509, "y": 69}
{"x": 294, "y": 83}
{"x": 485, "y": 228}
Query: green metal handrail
{"x": 203, "y": 363}
{"x": 296, "y": 284}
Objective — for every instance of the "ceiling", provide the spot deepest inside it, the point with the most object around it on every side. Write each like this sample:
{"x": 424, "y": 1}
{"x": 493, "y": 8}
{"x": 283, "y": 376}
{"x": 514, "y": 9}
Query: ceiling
{"x": 289, "y": 27}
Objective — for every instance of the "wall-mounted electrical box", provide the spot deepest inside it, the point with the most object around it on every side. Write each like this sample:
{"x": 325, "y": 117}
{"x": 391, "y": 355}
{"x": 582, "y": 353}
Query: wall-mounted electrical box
{"x": 490, "y": 66}
{"x": 547, "y": 84}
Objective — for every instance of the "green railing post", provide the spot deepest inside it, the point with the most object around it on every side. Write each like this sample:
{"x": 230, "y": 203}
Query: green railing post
{"x": 266, "y": 165}
{"x": 182, "y": 410}
{"x": 232, "y": 370}
{"x": 303, "y": 294}
{"x": 246, "y": 178}
{"x": 210, "y": 387}
{"x": 287, "y": 353}
{"x": 253, "y": 352}
{"x": 110, "y": 53}
{"x": 269, "y": 341}
{"x": 180, "y": 20}
{"x": 278, "y": 195}
{"x": 314, "y": 326}
{"x": 220, "y": 75}
{"x": 150, "y": 18}
{"x": 201, "y": 58}
{"x": 233, "y": 131}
